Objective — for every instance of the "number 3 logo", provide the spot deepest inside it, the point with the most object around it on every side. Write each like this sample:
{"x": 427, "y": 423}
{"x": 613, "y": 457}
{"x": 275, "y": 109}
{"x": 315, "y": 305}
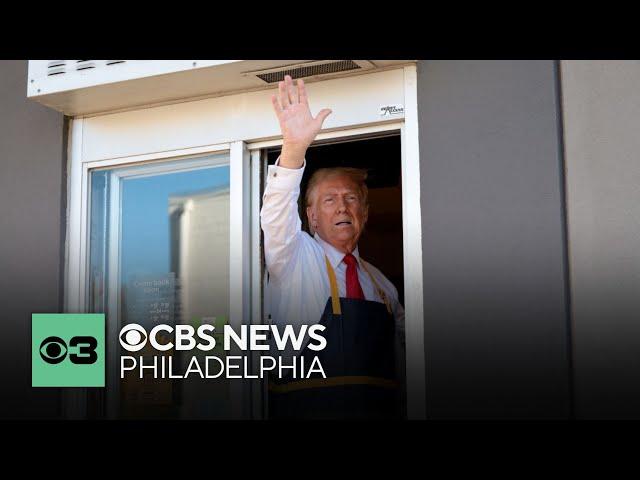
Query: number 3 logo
{"x": 54, "y": 350}
{"x": 86, "y": 350}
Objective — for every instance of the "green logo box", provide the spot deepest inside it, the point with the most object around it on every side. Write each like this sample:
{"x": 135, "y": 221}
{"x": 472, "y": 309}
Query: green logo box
{"x": 67, "y": 349}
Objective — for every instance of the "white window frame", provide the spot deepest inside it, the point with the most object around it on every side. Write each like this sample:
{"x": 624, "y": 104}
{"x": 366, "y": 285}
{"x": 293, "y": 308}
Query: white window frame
{"x": 244, "y": 230}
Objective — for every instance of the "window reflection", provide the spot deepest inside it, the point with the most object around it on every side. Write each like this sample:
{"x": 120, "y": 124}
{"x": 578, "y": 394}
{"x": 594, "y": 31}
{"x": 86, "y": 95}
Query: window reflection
{"x": 165, "y": 236}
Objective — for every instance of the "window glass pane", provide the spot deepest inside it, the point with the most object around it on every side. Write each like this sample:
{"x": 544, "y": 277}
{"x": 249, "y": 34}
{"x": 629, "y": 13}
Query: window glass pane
{"x": 159, "y": 254}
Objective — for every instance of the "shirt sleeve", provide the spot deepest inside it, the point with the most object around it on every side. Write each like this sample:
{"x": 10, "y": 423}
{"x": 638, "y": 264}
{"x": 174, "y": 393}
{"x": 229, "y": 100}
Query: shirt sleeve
{"x": 279, "y": 218}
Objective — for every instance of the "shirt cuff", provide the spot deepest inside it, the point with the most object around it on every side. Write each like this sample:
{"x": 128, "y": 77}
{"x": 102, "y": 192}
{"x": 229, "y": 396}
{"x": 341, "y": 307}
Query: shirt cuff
{"x": 285, "y": 178}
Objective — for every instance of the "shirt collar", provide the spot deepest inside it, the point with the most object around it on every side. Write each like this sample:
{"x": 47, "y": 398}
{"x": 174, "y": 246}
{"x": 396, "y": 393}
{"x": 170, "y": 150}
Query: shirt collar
{"x": 334, "y": 255}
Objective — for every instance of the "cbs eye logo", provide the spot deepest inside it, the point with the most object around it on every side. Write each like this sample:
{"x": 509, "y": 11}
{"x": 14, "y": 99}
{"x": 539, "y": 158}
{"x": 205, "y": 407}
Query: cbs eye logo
{"x": 133, "y": 337}
{"x": 68, "y": 350}
{"x": 54, "y": 350}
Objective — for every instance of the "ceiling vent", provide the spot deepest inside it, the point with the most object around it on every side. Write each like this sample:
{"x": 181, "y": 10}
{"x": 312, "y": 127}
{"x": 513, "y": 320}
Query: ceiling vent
{"x": 311, "y": 69}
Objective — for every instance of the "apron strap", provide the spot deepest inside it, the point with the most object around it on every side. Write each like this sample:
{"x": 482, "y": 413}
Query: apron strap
{"x": 335, "y": 299}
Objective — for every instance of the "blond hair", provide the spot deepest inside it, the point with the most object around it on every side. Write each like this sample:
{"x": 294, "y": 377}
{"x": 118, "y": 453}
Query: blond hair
{"x": 356, "y": 174}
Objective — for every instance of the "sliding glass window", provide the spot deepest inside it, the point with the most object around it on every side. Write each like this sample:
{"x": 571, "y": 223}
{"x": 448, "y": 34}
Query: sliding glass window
{"x": 159, "y": 254}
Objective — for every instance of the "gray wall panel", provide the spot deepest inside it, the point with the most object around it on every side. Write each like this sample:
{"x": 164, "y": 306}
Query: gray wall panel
{"x": 31, "y": 189}
{"x": 602, "y": 125}
{"x": 494, "y": 278}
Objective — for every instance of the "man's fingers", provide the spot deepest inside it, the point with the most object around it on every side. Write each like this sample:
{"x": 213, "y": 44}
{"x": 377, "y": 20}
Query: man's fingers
{"x": 284, "y": 96}
{"x": 293, "y": 92}
{"x": 276, "y": 104}
{"x": 302, "y": 91}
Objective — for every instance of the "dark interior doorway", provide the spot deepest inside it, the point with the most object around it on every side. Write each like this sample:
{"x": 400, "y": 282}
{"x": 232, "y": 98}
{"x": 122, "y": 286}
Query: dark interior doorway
{"x": 381, "y": 242}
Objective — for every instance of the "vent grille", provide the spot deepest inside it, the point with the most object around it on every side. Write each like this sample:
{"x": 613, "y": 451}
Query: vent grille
{"x": 56, "y": 67}
{"x": 85, "y": 64}
{"x": 309, "y": 71}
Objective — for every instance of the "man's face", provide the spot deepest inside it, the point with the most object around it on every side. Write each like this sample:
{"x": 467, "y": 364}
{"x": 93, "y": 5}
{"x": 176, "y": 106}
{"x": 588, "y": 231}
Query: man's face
{"x": 338, "y": 212}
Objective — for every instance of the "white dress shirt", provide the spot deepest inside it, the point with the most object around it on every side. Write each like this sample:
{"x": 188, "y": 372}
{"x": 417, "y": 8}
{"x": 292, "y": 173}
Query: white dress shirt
{"x": 298, "y": 286}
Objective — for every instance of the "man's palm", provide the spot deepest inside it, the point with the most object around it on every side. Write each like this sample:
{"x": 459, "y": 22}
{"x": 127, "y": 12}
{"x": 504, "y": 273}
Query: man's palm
{"x": 298, "y": 126}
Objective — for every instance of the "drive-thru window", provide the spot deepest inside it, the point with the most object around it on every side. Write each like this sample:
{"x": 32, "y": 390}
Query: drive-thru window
{"x": 165, "y": 180}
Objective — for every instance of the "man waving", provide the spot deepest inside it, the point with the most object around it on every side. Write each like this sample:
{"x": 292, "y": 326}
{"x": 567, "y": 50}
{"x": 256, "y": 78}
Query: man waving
{"x": 322, "y": 279}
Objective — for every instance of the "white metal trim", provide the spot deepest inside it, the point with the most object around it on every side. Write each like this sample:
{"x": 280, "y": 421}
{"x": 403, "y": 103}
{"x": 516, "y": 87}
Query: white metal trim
{"x": 74, "y": 400}
{"x": 412, "y": 246}
{"x": 168, "y": 166}
{"x": 257, "y": 387}
{"x": 167, "y": 154}
{"x": 113, "y": 300}
{"x": 239, "y": 260}
{"x": 75, "y": 200}
{"x": 335, "y": 134}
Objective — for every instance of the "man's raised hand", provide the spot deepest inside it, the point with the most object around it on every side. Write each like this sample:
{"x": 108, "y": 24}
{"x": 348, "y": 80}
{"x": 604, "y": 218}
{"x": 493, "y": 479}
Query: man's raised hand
{"x": 297, "y": 125}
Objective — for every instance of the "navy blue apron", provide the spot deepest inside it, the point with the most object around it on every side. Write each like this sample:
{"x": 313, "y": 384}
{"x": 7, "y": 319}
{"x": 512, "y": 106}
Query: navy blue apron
{"x": 358, "y": 361}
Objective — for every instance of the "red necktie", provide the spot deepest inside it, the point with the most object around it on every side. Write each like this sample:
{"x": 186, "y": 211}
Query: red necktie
{"x": 354, "y": 290}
